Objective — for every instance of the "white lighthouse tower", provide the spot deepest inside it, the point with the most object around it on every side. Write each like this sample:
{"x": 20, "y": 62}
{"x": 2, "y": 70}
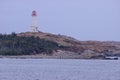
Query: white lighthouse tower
{"x": 34, "y": 25}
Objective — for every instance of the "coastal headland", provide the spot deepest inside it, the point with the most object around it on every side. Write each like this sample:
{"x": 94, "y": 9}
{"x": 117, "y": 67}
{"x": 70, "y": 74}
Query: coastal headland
{"x": 47, "y": 45}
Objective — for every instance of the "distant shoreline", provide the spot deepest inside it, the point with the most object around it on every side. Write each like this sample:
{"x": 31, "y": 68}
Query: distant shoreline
{"x": 38, "y": 57}
{"x": 49, "y": 57}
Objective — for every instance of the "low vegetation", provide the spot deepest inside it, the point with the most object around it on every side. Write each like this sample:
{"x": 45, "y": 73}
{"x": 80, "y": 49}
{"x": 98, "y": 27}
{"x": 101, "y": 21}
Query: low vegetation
{"x": 21, "y": 45}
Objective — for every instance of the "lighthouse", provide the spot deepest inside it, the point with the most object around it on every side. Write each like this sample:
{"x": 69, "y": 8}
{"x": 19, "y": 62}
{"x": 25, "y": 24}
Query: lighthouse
{"x": 34, "y": 25}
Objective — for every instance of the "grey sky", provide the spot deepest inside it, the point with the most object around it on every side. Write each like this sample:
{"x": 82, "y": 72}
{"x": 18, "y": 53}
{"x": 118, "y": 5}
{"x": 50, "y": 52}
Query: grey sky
{"x": 81, "y": 19}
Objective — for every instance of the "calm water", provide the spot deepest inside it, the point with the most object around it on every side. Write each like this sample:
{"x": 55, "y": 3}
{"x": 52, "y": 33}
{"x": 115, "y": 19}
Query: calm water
{"x": 59, "y": 69}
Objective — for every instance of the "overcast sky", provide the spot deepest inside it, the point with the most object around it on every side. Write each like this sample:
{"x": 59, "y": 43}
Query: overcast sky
{"x": 81, "y": 19}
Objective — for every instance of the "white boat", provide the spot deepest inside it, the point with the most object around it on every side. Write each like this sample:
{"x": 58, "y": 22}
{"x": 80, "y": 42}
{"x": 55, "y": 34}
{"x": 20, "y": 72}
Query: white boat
{"x": 112, "y": 57}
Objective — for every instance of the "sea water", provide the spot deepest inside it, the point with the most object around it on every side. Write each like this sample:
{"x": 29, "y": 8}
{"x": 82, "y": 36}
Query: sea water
{"x": 59, "y": 69}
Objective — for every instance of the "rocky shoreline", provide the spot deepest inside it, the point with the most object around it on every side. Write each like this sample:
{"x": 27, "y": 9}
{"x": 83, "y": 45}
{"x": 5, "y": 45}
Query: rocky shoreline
{"x": 56, "y": 55}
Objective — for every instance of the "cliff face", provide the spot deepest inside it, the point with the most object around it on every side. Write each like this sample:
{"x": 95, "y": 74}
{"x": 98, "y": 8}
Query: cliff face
{"x": 84, "y": 49}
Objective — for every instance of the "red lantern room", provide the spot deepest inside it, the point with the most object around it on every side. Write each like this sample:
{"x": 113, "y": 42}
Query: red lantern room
{"x": 34, "y": 13}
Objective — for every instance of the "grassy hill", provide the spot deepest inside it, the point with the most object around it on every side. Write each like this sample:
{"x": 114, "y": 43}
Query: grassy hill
{"x": 30, "y": 43}
{"x": 92, "y": 48}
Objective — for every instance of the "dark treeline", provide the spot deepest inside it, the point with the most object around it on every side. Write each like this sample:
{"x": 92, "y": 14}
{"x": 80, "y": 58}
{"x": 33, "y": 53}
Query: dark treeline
{"x": 16, "y": 45}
